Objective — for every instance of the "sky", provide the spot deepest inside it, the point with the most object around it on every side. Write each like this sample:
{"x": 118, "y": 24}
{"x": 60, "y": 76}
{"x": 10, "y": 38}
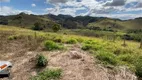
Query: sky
{"x": 122, "y": 9}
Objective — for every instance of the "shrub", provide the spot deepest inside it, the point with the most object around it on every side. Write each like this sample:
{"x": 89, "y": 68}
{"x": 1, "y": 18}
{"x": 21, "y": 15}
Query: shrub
{"x": 50, "y": 45}
{"x": 41, "y": 61}
{"x": 56, "y": 27}
{"x": 48, "y": 74}
{"x": 107, "y": 58}
{"x": 138, "y": 67}
{"x": 71, "y": 41}
{"x": 37, "y": 26}
{"x": 13, "y": 37}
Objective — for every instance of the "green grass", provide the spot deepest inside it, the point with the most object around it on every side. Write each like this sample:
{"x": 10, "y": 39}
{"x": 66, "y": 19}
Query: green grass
{"x": 48, "y": 74}
{"x": 50, "y": 45}
{"x": 107, "y": 58}
{"x": 71, "y": 41}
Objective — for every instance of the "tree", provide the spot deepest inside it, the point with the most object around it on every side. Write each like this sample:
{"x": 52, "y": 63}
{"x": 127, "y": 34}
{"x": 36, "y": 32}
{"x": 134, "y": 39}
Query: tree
{"x": 20, "y": 18}
{"x": 37, "y": 26}
{"x": 56, "y": 27}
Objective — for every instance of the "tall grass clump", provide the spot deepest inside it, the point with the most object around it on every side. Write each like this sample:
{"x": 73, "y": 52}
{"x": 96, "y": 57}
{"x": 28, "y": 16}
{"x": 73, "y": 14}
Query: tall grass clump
{"x": 13, "y": 37}
{"x": 138, "y": 67}
{"x": 48, "y": 74}
{"x": 50, "y": 45}
{"x": 41, "y": 61}
{"x": 71, "y": 41}
{"x": 126, "y": 58}
{"x": 92, "y": 45}
{"x": 107, "y": 58}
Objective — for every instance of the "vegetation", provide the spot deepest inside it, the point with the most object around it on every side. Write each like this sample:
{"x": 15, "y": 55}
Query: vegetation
{"x": 48, "y": 74}
{"x": 56, "y": 27}
{"x": 41, "y": 61}
{"x": 107, "y": 58}
{"x": 13, "y": 37}
{"x": 105, "y": 50}
{"x": 37, "y": 26}
{"x": 50, "y": 45}
{"x": 71, "y": 41}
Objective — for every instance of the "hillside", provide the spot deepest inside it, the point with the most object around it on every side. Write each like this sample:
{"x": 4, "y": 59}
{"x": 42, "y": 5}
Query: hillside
{"x": 25, "y": 20}
{"x": 134, "y": 24}
{"x": 78, "y": 57}
{"x": 69, "y": 22}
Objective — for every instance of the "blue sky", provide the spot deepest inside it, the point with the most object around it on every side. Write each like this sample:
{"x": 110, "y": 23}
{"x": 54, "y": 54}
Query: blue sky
{"x": 123, "y": 9}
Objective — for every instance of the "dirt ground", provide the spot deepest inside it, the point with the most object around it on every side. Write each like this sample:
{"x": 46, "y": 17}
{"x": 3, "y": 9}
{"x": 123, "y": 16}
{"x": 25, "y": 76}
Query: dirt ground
{"x": 75, "y": 63}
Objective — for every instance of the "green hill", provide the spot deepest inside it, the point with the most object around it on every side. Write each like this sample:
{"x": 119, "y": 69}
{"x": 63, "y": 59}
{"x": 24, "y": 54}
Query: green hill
{"x": 69, "y": 22}
{"x": 134, "y": 24}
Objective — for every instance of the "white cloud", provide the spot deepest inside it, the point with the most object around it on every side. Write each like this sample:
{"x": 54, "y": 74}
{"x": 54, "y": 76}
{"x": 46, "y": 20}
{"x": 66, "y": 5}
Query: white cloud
{"x": 5, "y": 10}
{"x": 33, "y": 5}
{"x": 4, "y": 0}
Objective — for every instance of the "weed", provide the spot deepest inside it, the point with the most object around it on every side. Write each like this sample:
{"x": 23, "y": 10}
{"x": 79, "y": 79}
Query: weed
{"x": 41, "y": 61}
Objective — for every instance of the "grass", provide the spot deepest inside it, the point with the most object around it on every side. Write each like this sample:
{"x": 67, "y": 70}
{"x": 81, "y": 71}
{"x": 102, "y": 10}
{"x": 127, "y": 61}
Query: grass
{"x": 50, "y": 45}
{"x": 48, "y": 74}
{"x": 13, "y": 37}
{"x": 71, "y": 41}
{"x": 108, "y": 52}
{"x": 107, "y": 58}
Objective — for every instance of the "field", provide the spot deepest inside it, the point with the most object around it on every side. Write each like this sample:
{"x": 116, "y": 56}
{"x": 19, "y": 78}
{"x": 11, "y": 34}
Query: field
{"x": 69, "y": 56}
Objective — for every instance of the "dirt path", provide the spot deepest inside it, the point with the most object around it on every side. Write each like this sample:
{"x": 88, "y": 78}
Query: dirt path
{"x": 75, "y": 63}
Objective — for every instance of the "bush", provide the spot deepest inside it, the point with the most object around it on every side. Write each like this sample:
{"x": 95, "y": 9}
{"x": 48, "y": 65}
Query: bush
{"x": 14, "y": 37}
{"x": 48, "y": 74}
{"x": 56, "y": 27}
{"x": 107, "y": 58}
{"x": 138, "y": 67}
{"x": 41, "y": 61}
{"x": 50, "y": 45}
{"x": 37, "y": 26}
{"x": 71, "y": 41}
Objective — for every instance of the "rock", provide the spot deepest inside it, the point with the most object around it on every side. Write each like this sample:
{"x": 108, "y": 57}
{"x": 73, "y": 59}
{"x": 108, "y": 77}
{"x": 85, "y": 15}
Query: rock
{"x": 75, "y": 55}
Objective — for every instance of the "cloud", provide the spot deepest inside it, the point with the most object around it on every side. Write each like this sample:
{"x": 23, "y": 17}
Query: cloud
{"x": 139, "y": 5}
{"x": 4, "y": 0}
{"x": 33, "y": 5}
{"x": 5, "y": 10}
{"x": 116, "y": 3}
{"x": 57, "y": 1}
